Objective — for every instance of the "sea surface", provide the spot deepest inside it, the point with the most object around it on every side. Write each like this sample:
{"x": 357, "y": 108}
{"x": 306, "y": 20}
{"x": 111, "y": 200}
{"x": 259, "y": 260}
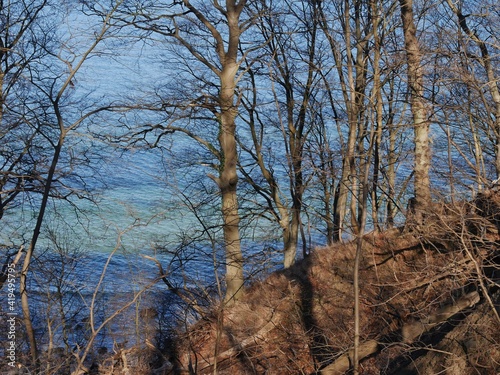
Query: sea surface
{"x": 95, "y": 253}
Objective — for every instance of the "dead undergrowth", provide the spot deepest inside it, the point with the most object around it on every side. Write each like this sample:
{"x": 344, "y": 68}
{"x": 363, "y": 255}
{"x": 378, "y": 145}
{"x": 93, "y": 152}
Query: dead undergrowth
{"x": 430, "y": 302}
{"x": 429, "y": 305}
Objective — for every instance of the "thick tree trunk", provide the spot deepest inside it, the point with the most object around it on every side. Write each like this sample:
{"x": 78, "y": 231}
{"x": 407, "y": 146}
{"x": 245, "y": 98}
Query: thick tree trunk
{"x": 418, "y": 108}
{"x": 290, "y": 240}
{"x": 228, "y": 181}
{"x": 228, "y": 177}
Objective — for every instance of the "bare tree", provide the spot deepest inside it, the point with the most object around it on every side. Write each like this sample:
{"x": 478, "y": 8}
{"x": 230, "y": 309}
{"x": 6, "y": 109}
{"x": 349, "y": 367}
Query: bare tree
{"x": 185, "y": 22}
{"x": 351, "y": 69}
{"x": 21, "y": 44}
{"x": 418, "y": 107}
{"x": 289, "y": 33}
{"x": 485, "y": 59}
{"x": 55, "y": 92}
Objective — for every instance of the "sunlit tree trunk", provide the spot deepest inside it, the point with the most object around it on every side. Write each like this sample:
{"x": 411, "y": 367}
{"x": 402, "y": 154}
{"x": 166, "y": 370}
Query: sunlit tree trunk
{"x": 418, "y": 109}
{"x": 228, "y": 178}
{"x": 196, "y": 28}
{"x": 226, "y": 49}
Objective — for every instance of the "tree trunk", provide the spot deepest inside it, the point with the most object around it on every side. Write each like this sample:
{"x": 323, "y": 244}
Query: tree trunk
{"x": 228, "y": 177}
{"x": 418, "y": 109}
{"x": 228, "y": 180}
{"x": 378, "y": 107}
{"x": 290, "y": 240}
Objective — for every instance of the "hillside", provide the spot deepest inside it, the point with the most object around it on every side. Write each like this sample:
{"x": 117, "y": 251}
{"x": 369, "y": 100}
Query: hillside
{"x": 427, "y": 297}
{"x": 430, "y": 304}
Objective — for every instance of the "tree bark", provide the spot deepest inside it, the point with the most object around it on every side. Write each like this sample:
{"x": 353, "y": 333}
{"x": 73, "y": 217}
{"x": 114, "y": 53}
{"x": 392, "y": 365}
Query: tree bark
{"x": 228, "y": 180}
{"x": 228, "y": 177}
{"x": 418, "y": 109}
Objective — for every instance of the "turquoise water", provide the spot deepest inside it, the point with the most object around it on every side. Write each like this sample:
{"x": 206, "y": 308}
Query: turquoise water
{"x": 138, "y": 208}
{"x": 99, "y": 246}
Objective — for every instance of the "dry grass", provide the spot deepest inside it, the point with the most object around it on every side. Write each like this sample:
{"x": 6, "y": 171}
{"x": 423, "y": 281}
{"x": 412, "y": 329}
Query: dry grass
{"x": 301, "y": 319}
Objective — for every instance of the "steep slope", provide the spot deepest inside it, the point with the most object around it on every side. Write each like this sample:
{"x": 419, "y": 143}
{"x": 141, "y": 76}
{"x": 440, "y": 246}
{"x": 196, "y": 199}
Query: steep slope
{"x": 428, "y": 300}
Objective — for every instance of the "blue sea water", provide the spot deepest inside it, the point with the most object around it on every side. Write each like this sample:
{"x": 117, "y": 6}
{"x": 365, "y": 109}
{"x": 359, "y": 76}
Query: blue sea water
{"x": 97, "y": 249}
{"x": 136, "y": 209}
